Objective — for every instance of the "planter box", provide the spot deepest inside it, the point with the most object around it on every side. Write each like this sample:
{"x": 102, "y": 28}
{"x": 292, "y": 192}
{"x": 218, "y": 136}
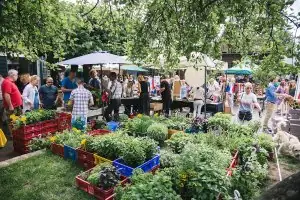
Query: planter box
{"x": 97, "y": 192}
{"x": 127, "y": 171}
{"x": 70, "y": 153}
{"x": 171, "y": 132}
{"x": 86, "y": 164}
{"x": 28, "y": 136}
{"x": 99, "y": 159}
{"x": 49, "y": 123}
{"x": 21, "y": 149}
{"x": 98, "y": 132}
{"x": 48, "y": 130}
{"x": 233, "y": 163}
{"x": 85, "y": 156}
{"x": 57, "y": 149}
{"x": 64, "y": 121}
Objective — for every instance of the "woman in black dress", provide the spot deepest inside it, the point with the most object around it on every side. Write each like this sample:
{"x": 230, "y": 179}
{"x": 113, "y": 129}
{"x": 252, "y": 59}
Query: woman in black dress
{"x": 144, "y": 96}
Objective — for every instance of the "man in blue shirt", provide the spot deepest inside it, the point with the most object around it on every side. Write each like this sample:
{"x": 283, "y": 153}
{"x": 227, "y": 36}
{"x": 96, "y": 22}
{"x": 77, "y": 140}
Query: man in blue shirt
{"x": 68, "y": 84}
{"x": 271, "y": 100}
{"x": 48, "y": 94}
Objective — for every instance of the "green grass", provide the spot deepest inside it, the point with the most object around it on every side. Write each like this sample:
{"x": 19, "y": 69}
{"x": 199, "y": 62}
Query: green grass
{"x": 42, "y": 177}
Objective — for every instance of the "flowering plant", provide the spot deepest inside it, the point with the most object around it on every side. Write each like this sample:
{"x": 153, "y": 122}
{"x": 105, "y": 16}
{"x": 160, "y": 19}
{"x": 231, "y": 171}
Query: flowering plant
{"x": 31, "y": 117}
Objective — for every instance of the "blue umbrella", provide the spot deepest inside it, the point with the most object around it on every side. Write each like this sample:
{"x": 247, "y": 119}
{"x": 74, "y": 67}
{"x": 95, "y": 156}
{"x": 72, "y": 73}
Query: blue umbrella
{"x": 239, "y": 71}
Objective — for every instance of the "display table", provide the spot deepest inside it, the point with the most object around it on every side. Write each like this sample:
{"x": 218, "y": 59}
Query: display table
{"x": 210, "y": 107}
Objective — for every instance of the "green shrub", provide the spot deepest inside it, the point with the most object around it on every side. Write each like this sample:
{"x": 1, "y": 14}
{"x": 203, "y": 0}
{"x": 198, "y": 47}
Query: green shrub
{"x": 108, "y": 146}
{"x": 148, "y": 186}
{"x": 200, "y": 172}
{"x": 178, "y": 141}
{"x": 157, "y": 132}
{"x": 150, "y": 147}
{"x": 265, "y": 141}
{"x": 138, "y": 126}
{"x": 39, "y": 143}
{"x": 133, "y": 153}
{"x": 70, "y": 138}
{"x": 168, "y": 159}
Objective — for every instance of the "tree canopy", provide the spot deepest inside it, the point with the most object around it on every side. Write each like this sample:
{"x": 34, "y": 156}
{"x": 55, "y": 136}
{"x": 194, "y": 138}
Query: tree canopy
{"x": 146, "y": 29}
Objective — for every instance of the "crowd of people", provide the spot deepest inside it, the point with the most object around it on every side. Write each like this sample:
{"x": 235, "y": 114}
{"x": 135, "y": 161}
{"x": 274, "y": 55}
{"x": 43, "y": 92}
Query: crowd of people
{"x": 25, "y": 95}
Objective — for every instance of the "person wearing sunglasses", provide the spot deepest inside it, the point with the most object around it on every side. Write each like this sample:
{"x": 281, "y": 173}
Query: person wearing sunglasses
{"x": 248, "y": 101}
{"x": 49, "y": 95}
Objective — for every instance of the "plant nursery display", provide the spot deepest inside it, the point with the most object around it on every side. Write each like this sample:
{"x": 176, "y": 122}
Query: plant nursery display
{"x": 189, "y": 165}
{"x": 32, "y": 117}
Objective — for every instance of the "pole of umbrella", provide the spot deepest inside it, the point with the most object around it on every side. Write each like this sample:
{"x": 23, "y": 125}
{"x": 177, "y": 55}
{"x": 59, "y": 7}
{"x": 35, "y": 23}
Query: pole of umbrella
{"x": 101, "y": 86}
{"x": 119, "y": 69}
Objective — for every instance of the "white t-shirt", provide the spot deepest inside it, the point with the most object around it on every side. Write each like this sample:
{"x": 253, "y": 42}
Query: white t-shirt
{"x": 247, "y": 101}
{"x": 198, "y": 93}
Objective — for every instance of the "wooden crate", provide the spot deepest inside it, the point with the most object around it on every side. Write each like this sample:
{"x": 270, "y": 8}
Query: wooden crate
{"x": 156, "y": 106}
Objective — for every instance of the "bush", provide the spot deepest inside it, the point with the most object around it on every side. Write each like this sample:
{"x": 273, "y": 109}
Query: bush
{"x": 178, "y": 141}
{"x": 201, "y": 172}
{"x": 158, "y": 132}
{"x": 138, "y": 126}
{"x": 265, "y": 141}
{"x": 148, "y": 186}
{"x": 150, "y": 147}
{"x": 133, "y": 153}
{"x": 168, "y": 159}
{"x": 109, "y": 146}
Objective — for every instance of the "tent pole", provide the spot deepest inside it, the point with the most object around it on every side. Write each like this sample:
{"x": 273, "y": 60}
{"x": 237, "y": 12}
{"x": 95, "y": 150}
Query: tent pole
{"x": 101, "y": 87}
{"x": 205, "y": 92}
{"x": 119, "y": 69}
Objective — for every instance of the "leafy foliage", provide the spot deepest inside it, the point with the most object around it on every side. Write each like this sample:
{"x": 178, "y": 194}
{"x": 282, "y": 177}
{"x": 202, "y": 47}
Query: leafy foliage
{"x": 178, "y": 141}
{"x": 158, "y": 132}
{"x": 148, "y": 186}
{"x": 168, "y": 159}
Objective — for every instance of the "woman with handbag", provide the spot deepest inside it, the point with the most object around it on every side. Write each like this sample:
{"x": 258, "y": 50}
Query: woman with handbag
{"x": 248, "y": 101}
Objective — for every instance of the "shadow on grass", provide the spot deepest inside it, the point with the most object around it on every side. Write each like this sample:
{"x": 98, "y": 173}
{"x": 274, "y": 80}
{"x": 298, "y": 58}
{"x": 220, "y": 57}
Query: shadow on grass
{"x": 42, "y": 177}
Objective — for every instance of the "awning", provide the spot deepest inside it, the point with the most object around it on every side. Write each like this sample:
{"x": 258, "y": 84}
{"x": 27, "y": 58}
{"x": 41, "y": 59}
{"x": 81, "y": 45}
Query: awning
{"x": 133, "y": 68}
{"x": 95, "y": 59}
{"x": 239, "y": 71}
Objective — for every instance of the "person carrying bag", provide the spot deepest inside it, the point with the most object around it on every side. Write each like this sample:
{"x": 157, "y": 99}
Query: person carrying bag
{"x": 248, "y": 101}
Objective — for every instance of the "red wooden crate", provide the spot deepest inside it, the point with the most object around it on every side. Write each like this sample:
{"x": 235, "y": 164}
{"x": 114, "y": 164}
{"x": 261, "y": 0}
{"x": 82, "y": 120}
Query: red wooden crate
{"x": 57, "y": 149}
{"x": 86, "y": 164}
{"x": 21, "y": 149}
{"x": 31, "y": 128}
{"x": 64, "y": 121}
{"x": 233, "y": 164}
{"x": 97, "y": 192}
{"x": 85, "y": 156}
{"x": 98, "y": 132}
{"x": 21, "y": 136}
{"x": 49, "y": 123}
{"x": 48, "y": 130}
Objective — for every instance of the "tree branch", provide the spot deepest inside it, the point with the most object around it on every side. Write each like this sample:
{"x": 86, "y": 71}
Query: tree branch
{"x": 98, "y": 1}
{"x": 295, "y": 23}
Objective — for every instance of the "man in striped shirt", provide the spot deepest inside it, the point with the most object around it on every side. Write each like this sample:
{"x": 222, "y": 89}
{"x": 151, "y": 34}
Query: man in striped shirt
{"x": 81, "y": 98}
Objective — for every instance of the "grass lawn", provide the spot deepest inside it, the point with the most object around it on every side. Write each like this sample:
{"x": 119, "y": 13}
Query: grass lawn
{"x": 42, "y": 177}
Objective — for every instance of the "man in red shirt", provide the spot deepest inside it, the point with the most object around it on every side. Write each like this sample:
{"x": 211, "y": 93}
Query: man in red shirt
{"x": 12, "y": 99}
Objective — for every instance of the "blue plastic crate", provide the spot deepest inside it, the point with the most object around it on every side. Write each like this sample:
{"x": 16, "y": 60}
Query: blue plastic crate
{"x": 112, "y": 126}
{"x": 70, "y": 153}
{"x": 127, "y": 171}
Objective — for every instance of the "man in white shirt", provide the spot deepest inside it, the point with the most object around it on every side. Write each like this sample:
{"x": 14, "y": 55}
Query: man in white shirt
{"x": 115, "y": 93}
